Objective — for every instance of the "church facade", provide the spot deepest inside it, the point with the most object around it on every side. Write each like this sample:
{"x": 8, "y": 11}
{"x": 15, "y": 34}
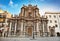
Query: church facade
{"x": 29, "y": 23}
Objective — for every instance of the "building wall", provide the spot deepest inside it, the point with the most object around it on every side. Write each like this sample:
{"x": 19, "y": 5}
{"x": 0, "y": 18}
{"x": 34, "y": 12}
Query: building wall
{"x": 53, "y": 20}
{"x": 4, "y": 15}
{"x": 29, "y": 22}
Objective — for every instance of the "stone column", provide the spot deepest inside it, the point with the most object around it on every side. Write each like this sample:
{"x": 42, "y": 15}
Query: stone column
{"x": 37, "y": 28}
{"x": 22, "y": 28}
{"x": 15, "y": 28}
{"x": 40, "y": 29}
{"x": 43, "y": 28}
{"x": 10, "y": 29}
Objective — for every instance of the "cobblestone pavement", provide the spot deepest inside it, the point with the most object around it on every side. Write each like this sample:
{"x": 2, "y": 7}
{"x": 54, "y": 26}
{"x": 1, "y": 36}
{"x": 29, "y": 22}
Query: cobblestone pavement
{"x": 30, "y": 39}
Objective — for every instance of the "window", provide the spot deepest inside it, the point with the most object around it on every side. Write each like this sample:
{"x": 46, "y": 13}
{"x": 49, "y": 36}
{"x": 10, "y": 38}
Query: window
{"x": 46, "y": 16}
{"x": 59, "y": 15}
{"x": 56, "y": 25}
{"x": 4, "y": 16}
{"x": 50, "y": 21}
{"x": 55, "y": 21}
{"x": 1, "y": 16}
{"x": 50, "y": 16}
{"x": 49, "y": 26}
{"x": 30, "y": 14}
{"x": 54, "y": 16}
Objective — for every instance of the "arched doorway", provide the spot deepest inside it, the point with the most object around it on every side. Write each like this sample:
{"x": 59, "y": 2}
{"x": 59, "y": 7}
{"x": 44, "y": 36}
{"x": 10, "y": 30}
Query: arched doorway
{"x": 52, "y": 32}
{"x": 29, "y": 31}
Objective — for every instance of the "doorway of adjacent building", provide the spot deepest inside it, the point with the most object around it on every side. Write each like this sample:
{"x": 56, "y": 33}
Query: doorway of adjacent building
{"x": 52, "y": 32}
{"x": 29, "y": 31}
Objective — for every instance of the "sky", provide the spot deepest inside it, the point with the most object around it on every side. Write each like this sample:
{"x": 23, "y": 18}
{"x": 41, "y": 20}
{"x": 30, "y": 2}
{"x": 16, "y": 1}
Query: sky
{"x": 14, "y": 6}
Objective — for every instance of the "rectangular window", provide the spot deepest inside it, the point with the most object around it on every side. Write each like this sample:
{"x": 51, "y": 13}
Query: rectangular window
{"x": 59, "y": 15}
{"x": 56, "y": 25}
{"x": 55, "y": 21}
{"x": 54, "y": 16}
{"x": 1, "y": 16}
{"x": 50, "y": 21}
{"x": 50, "y": 16}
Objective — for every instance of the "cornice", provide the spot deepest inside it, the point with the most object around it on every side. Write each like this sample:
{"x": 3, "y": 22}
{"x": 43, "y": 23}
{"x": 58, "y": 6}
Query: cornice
{"x": 52, "y": 12}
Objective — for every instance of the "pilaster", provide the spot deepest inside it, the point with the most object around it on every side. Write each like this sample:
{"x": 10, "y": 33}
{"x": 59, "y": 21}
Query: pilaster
{"x": 10, "y": 29}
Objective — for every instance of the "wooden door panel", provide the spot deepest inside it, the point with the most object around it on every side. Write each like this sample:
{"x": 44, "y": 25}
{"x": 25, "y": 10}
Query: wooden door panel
{"x": 30, "y": 31}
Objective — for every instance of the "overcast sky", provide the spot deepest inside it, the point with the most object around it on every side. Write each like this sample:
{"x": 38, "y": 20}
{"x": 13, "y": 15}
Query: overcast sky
{"x": 14, "y": 6}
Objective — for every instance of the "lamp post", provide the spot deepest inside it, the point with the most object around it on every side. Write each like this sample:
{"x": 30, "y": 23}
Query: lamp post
{"x": 33, "y": 31}
{"x": 33, "y": 35}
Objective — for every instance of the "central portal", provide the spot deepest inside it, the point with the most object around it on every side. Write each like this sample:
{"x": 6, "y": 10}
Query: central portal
{"x": 29, "y": 31}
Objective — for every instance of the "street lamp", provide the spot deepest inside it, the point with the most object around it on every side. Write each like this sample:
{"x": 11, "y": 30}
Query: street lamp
{"x": 33, "y": 35}
{"x": 33, "y": 32}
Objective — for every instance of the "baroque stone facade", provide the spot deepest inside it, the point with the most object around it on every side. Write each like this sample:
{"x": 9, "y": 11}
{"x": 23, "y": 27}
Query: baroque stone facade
{"x": 28, "y": 23}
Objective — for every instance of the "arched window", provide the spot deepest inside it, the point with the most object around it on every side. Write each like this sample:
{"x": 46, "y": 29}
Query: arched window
{"x": 30, "y": 15}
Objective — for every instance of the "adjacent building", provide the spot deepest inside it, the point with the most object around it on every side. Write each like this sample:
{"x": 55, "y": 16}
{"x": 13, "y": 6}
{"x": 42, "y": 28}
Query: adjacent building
{"x": 53, "y": 22}
{"x": 4, "y": 15}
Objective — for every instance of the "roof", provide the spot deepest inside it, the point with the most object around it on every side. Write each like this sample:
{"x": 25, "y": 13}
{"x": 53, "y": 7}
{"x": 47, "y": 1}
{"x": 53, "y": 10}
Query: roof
{"x": 52, "y": 12}
{"x": 1, "y": 11}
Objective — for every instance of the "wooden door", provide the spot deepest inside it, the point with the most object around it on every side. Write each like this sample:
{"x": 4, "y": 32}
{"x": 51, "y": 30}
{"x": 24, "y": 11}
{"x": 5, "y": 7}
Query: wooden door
{"x": 30, "y": 31}
{"x": 52, "y": 32}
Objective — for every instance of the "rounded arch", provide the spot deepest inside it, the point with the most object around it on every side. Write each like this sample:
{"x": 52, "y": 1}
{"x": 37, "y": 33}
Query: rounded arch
{"x": 52, "y": 32}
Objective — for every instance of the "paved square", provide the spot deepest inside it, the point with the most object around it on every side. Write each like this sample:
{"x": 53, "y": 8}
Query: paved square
{"x": 30, "y": 39}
